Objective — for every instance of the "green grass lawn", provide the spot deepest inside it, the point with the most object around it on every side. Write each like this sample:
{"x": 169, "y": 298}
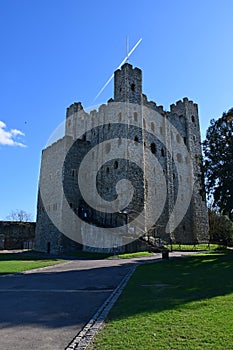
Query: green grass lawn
{"x": 94, "y": 255}
{"x": 18, "y": 262}
{"x": 178, "y": 304}
{"x": 193, "y": 247}
{"x": 134, "y": 255}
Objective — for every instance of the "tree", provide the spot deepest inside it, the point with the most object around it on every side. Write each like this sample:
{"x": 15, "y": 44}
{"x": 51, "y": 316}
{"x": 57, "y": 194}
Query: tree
{"x": 218, "y": 163}
{"x": 19, "y": 215}
{"x": 221, "y": 228}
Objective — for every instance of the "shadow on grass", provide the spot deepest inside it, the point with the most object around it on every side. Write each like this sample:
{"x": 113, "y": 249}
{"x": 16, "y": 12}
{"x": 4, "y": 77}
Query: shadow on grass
{"x": 26, "y": 256}
{"x": 63, "y": 298}
{"x": 171, "y": 284}
{"x": 32, "y": 255}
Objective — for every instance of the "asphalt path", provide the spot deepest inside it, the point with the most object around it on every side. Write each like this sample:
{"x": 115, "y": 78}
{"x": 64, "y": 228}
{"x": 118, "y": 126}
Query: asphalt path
{"x": 44, "y": 309}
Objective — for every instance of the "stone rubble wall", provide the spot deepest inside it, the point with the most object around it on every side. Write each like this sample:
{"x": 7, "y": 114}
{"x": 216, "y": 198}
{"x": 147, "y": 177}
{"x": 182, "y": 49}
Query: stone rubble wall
{"x": 17, "y": 235}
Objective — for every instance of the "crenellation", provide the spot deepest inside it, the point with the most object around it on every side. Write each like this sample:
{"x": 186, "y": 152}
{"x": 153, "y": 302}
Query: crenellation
{"x": 74, "y": 108}
{"x": 160, "y": 109}
{"x": 93, "y": 113}
{"x": 144, "y": 99}
{"x": 178, "y": 127}
{"x": 102, "y": 108}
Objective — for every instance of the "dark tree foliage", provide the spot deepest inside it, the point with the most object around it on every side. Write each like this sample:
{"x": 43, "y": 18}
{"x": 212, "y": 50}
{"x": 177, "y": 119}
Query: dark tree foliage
{"x": 221, "y": 228}
{"x": 218, "y": 163}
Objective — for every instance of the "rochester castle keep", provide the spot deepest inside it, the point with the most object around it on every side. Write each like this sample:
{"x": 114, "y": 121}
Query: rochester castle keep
{"x": 123, "y": 175}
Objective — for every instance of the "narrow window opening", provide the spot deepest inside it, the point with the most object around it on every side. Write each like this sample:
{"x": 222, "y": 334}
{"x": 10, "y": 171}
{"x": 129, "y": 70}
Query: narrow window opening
{"x": 133, "y": 87}
{"x": 153, "y": 148}
{"x": 179, "y": 157}
{"x": 178, "y": 138}
{"x": 108, "y": 147}
{"x": 116, "y": 165}
{"x": 48, "y": 247}
{"x": 162, "y": 152}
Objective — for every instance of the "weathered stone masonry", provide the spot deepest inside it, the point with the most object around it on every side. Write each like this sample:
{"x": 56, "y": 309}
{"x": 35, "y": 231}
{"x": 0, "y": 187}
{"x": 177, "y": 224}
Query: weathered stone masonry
{"x": 17, "y": 235}
{"x": 136, "y": 108}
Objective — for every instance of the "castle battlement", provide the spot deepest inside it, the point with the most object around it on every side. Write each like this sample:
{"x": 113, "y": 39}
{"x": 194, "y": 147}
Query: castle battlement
{"x": 181, "y": 106}
{"x": 95, "y": 145}
{"x": 93, "y": 113}
{"x": 73, "y": 108}
{"x": 128, "y": 67}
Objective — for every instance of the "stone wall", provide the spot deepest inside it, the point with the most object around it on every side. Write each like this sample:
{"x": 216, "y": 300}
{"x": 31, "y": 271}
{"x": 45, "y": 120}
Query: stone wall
{"x": 159, "y": 148}
{"x": 17, "y": 235}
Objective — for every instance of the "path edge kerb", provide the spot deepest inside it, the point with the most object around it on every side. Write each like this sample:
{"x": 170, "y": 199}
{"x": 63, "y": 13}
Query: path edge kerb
{"x": 96, "y": 323}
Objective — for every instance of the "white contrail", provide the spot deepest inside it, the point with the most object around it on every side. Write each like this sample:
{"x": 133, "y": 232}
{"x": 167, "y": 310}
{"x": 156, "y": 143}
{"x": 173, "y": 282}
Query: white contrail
{"x": 124, "y": 60}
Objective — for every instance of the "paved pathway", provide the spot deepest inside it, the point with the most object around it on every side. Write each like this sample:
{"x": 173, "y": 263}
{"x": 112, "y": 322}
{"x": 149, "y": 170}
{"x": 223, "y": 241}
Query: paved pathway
{"x": 46, "y": 308}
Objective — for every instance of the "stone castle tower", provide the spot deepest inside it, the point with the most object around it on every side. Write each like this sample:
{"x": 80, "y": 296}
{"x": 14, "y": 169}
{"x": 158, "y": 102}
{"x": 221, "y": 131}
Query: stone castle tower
{"x": 158, "y": 152}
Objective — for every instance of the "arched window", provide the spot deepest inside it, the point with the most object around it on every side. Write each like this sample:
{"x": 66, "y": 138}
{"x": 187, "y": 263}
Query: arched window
{"x": 179, "y": 157}
{"x": 153, "y": 148}
{"x": 108, "y": 147}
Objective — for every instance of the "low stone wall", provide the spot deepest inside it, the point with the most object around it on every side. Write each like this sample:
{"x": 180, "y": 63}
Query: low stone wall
{"x": 17, "y": 235}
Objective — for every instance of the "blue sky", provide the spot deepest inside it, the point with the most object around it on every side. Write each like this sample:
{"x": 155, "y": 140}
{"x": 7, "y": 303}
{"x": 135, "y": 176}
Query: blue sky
{"x": 55, "y": 52}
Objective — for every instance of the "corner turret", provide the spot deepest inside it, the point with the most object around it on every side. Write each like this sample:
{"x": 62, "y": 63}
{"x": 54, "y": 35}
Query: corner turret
{"x": 128, "y": 84}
